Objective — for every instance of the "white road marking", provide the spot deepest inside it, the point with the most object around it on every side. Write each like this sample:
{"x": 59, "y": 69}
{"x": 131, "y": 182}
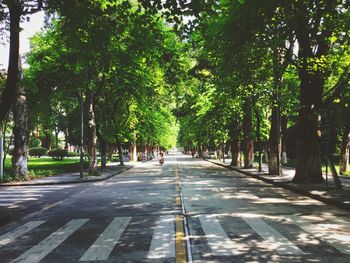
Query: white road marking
{"x": 105, "y": 243}
{"x": 12, "y": 235}
{"x": 274, "y": 239}
{"x": 16, "y": 195}
{"x": 340, "y": 240}
{"x": 163, "y": 240}
{"x": 41, "y": 250}
{"x": 220, "y": 244}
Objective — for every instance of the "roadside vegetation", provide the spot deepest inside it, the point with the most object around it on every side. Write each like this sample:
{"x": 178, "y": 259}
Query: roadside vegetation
{"x": 240, "y": 77}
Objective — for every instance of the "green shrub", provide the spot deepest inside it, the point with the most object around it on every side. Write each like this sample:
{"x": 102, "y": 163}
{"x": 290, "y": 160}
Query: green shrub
{"x": 58, "y": 153}
{"x": 34, "y": 142}
{"x": 73, "y": 154}
{"x": 37, "y": 151}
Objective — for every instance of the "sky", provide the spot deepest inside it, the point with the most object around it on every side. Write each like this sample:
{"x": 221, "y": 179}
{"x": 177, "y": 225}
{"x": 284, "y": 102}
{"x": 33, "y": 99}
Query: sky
{"x": 29, "y": 29}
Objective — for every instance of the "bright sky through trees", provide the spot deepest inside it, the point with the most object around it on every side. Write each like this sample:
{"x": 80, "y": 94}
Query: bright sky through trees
{"x": 29, "y": 29}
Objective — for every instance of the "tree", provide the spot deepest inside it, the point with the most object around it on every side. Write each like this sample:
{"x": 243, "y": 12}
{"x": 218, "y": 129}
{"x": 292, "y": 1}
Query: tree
{"x": 17, "y": 10}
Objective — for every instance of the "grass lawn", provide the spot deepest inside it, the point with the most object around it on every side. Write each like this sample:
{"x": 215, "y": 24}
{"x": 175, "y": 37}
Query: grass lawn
{"x": 292, "y": 163}
{"x": 41, "y": 167}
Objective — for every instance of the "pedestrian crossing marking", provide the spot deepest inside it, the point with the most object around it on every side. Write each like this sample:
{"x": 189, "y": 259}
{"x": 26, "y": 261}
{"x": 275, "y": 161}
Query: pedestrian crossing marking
{"x": 168, "y": 239}
{"x": 46, "y": 246}
{"x": 106, "y": 242}
{"x": 274, "y": 239}
{"x": 219, "y": 243}
{"x": 163, "y": 239}
{"x": 12, "y": 235}
{"x": 339, "y": 241}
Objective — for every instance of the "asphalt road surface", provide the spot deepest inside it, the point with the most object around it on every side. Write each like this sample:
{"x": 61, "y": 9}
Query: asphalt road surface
{"x": 187, "y": 210}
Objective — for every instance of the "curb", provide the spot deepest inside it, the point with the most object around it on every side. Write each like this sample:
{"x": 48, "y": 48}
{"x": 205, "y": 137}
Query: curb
{"x": 292, "y": 188}
{"x": 126, "y": 168}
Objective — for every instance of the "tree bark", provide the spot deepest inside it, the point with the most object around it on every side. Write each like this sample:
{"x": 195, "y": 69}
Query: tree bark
{"x": 248, "y": 143}
{"x": 274, "y": 140}
{"x": 235, "y": 152}
{"x": 258, "y": 135}
{"x": 234, "y": 142}
{"x": 274, "y": 162}
{"x": 110, "y": 150}
{"x": 103, "y": 150}
{"x": 344, "y": 151}
{"x": 20, "y": 132}
{"x": 8, "y": 95}
{"x": 120, "y": 152}
{"x": 284, "y": 123}
{"x": 312, "y": 78}
{"x": 91, "y": 134}
{"x": 133, "y": 151}
{"x": 46, "y": 142}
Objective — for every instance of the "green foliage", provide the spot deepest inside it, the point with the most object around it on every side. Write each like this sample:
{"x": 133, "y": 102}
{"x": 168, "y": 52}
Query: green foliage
{"x": 42, "y": 167}
{"x": 34, "y": 142}
{"x": 37, "y": 151}
{"x": 58, "y": 153}
{"x": 73, "y": 154}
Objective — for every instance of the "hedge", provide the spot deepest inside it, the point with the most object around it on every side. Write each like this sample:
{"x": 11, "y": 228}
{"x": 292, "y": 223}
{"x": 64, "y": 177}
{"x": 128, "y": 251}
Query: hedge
{"x": 37, "y": 151}
{"x": 58, "y": 153}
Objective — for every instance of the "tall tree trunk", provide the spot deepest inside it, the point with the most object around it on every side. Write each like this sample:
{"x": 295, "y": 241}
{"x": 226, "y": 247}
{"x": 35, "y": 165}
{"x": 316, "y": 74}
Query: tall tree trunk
{"x": 344, "y": 151}
{"x": 110, "y": 149}
{"x": 66, "y": 135}
{"x": 56, "y": 137}
{"x": 234, "y": 132}
{"x": 20, "y": 132}
{"x": 248, "y": 143}
{"x": 274, "y": 140}
{"x": 120, "y": 152}
{"x": 274, "y": 162}
{"x": 8, "y": 95}
{"x": 258, "y": 135}
{"x": 235, "y": 152}
{"x": 103, "y": 150}
{"x": 46, "y": 142}
{"x": 284, "y": 123}
{"x": 91, "y": 134}
{"x": 312, "y": 79}
{"x": 133, "y": 151}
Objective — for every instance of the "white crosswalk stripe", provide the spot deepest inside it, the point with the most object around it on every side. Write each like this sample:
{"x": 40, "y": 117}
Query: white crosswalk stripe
{"x": 41, "y": 250}
{"x": 105, "y": 243}
{"x": 340, "y": 240}
{"x": 163, "y": 239}
{"x": 12, "y": 235}
{"x": 220, "y": 244}
{"x": 274, "y": 239}
{"x": 12, "y": 196}
{"x": 162, "y": 243}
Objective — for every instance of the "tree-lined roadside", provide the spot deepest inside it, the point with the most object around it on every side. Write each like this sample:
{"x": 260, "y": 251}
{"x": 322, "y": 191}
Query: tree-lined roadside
{"x": 259, "y": 78}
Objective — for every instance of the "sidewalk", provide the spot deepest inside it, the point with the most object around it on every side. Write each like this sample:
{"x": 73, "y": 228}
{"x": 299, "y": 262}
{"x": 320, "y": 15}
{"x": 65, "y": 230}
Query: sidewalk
{"x": 328, "y": 195}
{"x": 69, "y": 178}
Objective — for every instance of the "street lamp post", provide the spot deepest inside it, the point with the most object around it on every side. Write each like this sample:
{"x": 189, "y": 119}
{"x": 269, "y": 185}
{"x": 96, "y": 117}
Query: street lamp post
{"x": 1, "y": 157}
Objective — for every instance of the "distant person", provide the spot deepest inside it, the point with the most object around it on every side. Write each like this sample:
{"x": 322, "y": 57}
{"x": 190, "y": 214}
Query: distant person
{"x": 161, "y": 159}
{"x": 193, "y": 153}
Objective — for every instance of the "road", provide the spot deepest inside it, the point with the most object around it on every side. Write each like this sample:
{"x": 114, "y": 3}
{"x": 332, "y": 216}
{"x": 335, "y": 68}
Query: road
{"x": 187, "y": 209}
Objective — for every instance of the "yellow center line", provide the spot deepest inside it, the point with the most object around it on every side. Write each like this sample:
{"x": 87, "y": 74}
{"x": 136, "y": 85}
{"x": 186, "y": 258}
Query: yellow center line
{"x": 180, "y": 240}
{"x": 177, "y": 184}
{"x": 178, "y": 200}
